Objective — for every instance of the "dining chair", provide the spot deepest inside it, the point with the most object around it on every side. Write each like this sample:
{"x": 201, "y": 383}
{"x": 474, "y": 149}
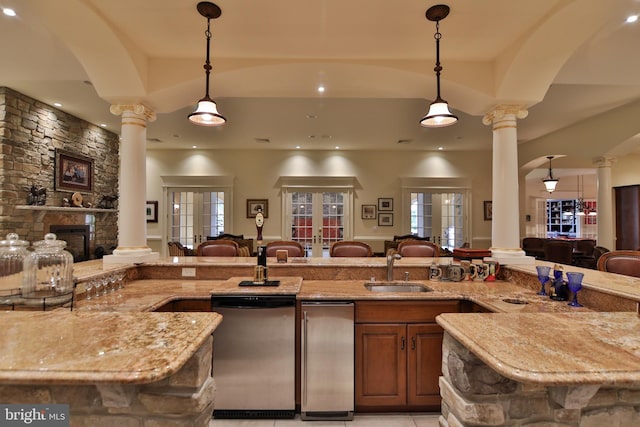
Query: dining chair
{"x": 293, "y": 248}
{"x": 621, "y": 262}
{"x": 418, "y": 248}
{"x": 346, "y": 248}
{"x": 558, "y": 251}
{"x": 217, "y": 248}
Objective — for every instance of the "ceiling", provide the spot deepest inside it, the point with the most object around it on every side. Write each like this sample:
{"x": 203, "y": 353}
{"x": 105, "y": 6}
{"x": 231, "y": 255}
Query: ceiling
{"x": 565, "y": 60}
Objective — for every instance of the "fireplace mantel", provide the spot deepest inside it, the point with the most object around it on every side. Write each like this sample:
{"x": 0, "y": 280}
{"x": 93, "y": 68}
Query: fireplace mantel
{"x": 40, "y": 211}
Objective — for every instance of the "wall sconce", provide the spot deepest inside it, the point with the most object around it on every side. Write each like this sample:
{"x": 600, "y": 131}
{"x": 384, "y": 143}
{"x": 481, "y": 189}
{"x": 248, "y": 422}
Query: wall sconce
{"x": 550, "y": 182}
{"x": 439, "y": 114}
{"x": 206, "y": 113}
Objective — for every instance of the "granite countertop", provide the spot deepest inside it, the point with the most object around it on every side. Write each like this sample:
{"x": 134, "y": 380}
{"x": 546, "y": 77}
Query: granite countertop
{"x": 148, "y": 295}
{"x": 64, "y": 347}
{"x": 553, "y": 349}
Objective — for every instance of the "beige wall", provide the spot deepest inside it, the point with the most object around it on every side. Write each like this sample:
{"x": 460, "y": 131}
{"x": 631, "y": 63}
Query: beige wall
{"x": 377, "y": 173}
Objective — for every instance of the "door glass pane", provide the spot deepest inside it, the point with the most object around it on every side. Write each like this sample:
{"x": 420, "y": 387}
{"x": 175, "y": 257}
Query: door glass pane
{"x": 439, "y": 216}
{"x": 195, "y": 214}
{"x": 212, "y": 216}
{"x": 332, "y": 218}
{"x": 302, "y": 218}
{"x": 181, "y": 218}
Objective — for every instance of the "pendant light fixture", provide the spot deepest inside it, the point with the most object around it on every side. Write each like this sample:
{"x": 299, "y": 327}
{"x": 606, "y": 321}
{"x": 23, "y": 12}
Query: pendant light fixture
{"x": 206, "y": 113}
{"x": 439, "y": 114}
{"x": 580, "y": 205}
{"x": 550, "y": 182}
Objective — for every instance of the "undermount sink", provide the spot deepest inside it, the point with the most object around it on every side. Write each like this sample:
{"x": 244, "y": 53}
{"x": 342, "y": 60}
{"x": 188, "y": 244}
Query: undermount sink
{"x": 396, "y": 287}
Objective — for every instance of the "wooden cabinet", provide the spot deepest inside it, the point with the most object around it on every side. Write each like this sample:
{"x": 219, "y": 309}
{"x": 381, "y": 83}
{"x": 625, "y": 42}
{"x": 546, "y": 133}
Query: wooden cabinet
{"x": 399, "y": 354}
{"x": 628, "y": 217}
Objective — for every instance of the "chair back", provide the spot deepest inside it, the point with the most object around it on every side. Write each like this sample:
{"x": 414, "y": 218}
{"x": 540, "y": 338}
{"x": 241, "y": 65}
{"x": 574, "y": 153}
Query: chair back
{"x": 558, "y": 251}
{"x": 350, "y": 249}
{"x": 418, "y": 248}
{"x": 217, "y": 248}
{"x": 621, "y": 262}
{"x": 177, "y": 249}
{"x": 585, "y": 246}
{"x": 533, "y": 246}
{"x": 294, "y": 249}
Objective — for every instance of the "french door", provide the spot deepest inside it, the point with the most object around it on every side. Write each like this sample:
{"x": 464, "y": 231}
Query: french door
{"x": 194, "y": 215}
{"x": 441, "y": 216}
{"x": 317, "y": 219}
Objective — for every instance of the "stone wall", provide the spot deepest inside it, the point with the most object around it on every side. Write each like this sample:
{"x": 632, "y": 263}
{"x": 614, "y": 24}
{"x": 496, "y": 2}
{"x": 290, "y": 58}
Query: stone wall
{"x": 473, "y": 394}
{"x": 185, "y": 399}
{"x": 30, "y": 133}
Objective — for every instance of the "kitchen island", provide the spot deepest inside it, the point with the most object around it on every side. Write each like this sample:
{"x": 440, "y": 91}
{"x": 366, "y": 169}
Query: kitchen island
{"x": 151, "y": 287}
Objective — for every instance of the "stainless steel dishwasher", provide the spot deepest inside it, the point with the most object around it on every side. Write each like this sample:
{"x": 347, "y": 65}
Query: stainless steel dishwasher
{"x": 327, "y": 339}
{"x": 254, "y": 356}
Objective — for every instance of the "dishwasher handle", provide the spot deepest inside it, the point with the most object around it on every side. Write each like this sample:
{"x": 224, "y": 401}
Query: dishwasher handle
{"x": 252, "y": 302}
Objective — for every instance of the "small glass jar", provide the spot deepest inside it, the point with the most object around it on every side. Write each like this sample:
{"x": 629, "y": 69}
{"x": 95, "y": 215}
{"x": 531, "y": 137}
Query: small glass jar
{"x": 52, "y": 269}
{"x": 15, "y": 266}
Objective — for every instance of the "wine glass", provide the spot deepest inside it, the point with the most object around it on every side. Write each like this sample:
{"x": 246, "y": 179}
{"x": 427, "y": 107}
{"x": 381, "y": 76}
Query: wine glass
{"x": 574, "y": 281}
{"x": 89, "y": 287}
{"x": 98, "y": 286}
{"x": 543, "y": 277}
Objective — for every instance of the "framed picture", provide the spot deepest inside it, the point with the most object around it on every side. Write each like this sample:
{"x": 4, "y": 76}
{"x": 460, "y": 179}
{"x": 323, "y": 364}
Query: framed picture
{"x": 368, "y": 211}
{"x": 73, "y": 172}
{"x": 385, "y": 219}
{"x": 488, "y": 210}
{"x": 385, "y": 204}
{"x": 152, "y": 211}
{"x": 256, "y": 205}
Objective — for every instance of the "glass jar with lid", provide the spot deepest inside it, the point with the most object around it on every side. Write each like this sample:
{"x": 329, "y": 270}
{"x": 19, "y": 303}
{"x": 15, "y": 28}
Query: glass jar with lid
{"x": 52, "y": 279}
{"x": 15, "y": 267}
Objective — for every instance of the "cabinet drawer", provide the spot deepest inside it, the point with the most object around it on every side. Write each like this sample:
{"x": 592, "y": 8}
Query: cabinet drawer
{"x": 402, "y": 311}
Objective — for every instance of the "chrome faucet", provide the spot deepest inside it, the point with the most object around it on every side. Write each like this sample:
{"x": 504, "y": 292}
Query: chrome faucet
{"x": 390, "y": 260}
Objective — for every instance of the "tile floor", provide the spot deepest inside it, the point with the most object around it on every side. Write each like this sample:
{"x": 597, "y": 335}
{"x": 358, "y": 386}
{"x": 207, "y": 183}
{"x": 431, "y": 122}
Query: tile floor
{"x": 374, "y": 420}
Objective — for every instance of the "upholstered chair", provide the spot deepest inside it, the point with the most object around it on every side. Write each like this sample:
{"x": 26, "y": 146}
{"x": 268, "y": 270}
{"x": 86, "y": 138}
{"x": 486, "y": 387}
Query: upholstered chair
{"x": 220, "y": 247}
{"x": 621, "y": 262}
{"x": 350, "y": 249}
{"x": 294, "y": 249}
{"x": 418, "y": 248}
{"x": 558, "y": 251}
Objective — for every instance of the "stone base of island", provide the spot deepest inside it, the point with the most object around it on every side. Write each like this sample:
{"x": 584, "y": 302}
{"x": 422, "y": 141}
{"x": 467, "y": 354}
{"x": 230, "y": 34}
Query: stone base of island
{"x": 149, "y": 370}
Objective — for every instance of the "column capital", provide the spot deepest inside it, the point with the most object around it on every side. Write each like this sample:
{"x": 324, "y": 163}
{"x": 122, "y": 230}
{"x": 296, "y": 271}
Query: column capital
{"x": 502, "y": 110}
{"x": 603, "y": 161}
{"x": 139, "y": 109}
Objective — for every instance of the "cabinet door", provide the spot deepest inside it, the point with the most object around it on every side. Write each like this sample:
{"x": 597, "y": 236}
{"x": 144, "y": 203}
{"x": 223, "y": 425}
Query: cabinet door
{"x": 381, "y": 365}
{"x": 424, "y": 364}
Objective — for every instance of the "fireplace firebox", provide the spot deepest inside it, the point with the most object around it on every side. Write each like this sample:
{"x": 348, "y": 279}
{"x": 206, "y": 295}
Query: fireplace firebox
{"x": 77, "y": 238}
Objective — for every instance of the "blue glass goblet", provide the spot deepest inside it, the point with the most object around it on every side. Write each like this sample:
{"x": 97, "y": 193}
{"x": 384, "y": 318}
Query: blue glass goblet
{"x": 543, "y": 277}
{"x": 574, "y": 281}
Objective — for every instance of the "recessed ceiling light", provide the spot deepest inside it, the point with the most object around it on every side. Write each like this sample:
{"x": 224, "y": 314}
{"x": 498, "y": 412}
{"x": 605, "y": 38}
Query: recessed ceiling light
{"x": 194, "y": 146}
{"x": 57, "y": 104}
{"x": 321, "y": 88}
{"x": 297, "y": 147}
{"x": 104, "y": 125}
{"x": 9, "y": 12}
{"x": 337, "y": 147}
{"x": 440, "y": 148}
{"x": 632, "y": 19}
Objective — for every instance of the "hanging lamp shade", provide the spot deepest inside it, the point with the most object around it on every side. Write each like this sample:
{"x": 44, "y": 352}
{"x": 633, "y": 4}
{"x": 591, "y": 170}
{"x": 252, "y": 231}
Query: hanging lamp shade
{"x": 550, "y": 182}
{"x": 439, "y": 114}
{"x": 206, "y": 113}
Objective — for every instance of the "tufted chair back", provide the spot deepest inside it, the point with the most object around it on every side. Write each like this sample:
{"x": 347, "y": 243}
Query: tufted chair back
{"x": 418, "y": 248}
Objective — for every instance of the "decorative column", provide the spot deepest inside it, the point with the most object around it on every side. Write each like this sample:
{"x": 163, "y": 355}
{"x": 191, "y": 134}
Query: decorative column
{"x": 505, "y": 226}
{"x": 132, "y": 222}
{"x": 604, "y": 202}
